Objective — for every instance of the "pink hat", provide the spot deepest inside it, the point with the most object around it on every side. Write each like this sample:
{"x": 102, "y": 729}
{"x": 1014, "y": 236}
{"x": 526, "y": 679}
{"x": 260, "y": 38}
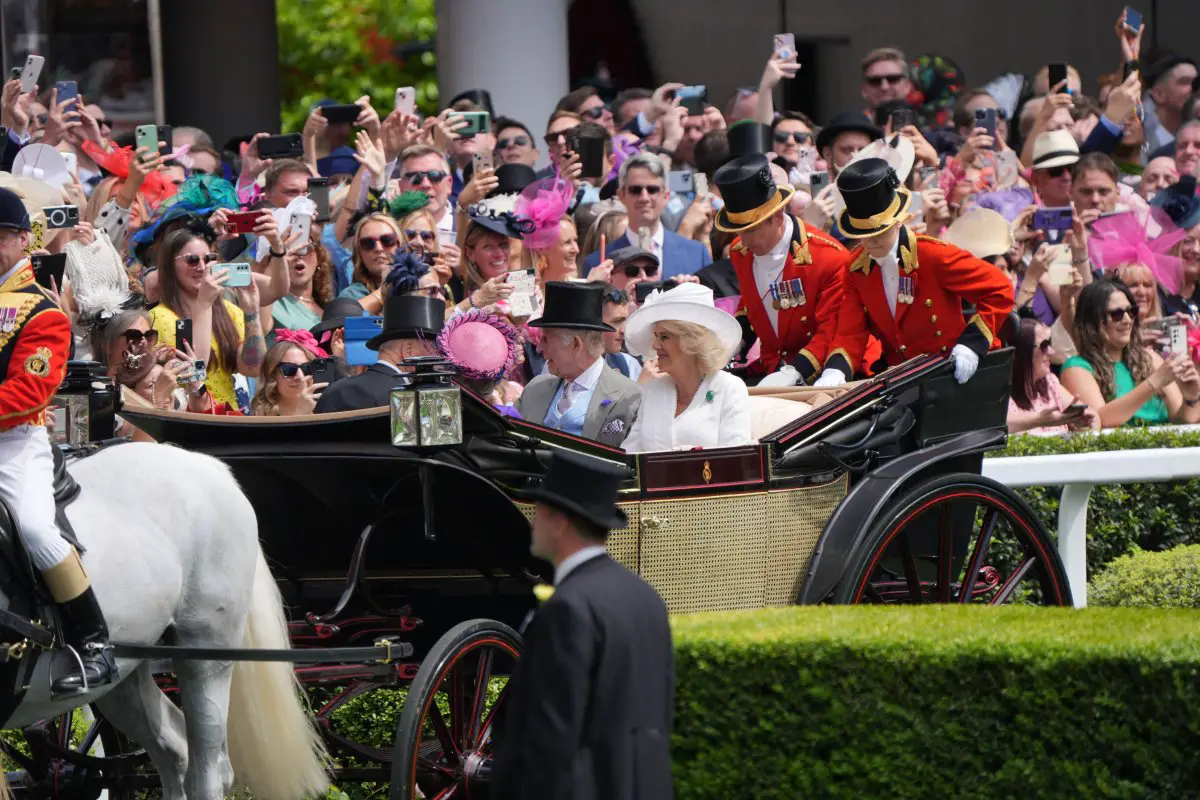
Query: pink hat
{"x": 481, "y": 346}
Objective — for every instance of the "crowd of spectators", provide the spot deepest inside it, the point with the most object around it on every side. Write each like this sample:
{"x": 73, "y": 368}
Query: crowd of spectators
{"x": 360, "y": 246}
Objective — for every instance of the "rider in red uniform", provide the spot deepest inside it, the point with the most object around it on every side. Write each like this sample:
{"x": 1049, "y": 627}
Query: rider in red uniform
{"x": 35, "y": 343}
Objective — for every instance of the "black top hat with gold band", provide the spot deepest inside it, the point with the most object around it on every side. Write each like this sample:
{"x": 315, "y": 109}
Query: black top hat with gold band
{"x": 874, "y": 199}
{"x": 749, "y": 192}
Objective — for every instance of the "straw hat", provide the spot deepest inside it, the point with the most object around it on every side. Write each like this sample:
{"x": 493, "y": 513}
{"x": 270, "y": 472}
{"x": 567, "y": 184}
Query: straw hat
{"x": 1055, "y": 149}
{"x": 981, "y": 232}
{"x": 687, "y": 302}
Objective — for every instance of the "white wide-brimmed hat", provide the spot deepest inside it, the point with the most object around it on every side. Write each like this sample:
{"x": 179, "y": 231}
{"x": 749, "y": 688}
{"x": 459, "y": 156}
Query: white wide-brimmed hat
{"x": 896, "y": 150}
{"x": 687, "y": 302}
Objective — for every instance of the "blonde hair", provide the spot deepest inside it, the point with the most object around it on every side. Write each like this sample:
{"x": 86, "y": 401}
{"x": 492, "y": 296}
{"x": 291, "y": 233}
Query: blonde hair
{"x": 606, "y": 224}
{"x": 105, "y": 190}
{"x": 360, "y": 269}
{"x": 266, "y": 400}
{"x": 697, "y": 342}
{"x": 424, "y": 213}
{"x": 1124, "y": 272}
{"x": 472, "y": 277}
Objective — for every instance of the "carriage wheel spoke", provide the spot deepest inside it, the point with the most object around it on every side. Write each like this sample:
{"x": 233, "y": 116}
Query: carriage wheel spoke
{"x": 910, "y": 569}
{"x": 483, "y": 677}
{"x": 983, "y": 543}
{"x": 442, "y": 732}
{"x": 433, "y": 766}
{"x": 1010, "y": 585}
{"x": 874, "y": 594}
{"x": 945, "y": 561}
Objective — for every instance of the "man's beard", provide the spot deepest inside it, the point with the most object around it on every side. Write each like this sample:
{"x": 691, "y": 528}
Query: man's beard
{"x": 134, "y": 366}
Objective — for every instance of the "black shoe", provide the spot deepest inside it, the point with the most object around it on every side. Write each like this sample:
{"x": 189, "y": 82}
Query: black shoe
{"x": 88, "y": 634}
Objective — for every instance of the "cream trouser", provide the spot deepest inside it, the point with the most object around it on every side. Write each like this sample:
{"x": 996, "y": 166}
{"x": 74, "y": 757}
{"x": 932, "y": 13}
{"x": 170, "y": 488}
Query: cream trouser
{"x": 27, "y": 488}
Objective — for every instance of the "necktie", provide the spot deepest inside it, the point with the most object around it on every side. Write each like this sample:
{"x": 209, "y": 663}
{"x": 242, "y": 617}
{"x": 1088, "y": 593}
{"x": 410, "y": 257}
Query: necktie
{"x": 564, "y": 402}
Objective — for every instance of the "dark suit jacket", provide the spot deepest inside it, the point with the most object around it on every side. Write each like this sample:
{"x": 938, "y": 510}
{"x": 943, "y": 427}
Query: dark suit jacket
{"x": 680, "y": 256}
{"x": 589, "y": 708}
{"x": 721, "y": 278}
{"x": 369, "y": 390}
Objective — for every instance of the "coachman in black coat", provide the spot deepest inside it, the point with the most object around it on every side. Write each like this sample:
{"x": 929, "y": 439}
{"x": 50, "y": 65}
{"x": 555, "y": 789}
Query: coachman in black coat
{"x": 589, "y": 709}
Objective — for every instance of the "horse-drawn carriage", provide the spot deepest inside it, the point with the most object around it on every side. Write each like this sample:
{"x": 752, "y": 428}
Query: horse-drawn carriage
{"x": 412, "y": 522}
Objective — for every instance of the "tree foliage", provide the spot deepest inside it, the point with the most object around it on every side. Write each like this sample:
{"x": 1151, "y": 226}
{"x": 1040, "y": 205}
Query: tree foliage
{"x": 343, "y": 49}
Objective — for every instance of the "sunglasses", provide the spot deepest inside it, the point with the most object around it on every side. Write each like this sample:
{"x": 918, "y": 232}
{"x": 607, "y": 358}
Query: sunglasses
{"x": 594, "y": 113}
{"x": 1057, "y": 172}
{"x": 289, "y": 370}
{"x": 636, "y": 271}
{"x": 193, "y": 260}
{"x": 1044, "y": 347}
{"x": 104, "y": 123}
{"x": 516, "y": 141}
{"x": 879, "y": 80}
{"x": 1118, "y": 314}
{"x": 425, "y": 236}
{"x": 799, "y": 137}
{"x": 135, "y": 337}
{"x": 616, "y": 297}
{"x": 650, "y": 190}
{"x": 369, "y": 243}
{"x": 434, "y": 175}
{"x": 555, "y": 138}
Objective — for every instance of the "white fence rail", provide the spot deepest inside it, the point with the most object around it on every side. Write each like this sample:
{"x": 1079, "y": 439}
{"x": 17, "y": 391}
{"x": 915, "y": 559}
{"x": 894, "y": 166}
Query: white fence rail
{"x": 1077, "y": 473}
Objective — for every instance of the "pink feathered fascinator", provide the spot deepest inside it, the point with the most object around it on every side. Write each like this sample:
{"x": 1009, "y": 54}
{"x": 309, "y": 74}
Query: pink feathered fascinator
{"x": 1123, "y": 239}
{"x": 544, "y": 203}
{"x": 481, "y": 346}
{"x": 302, "y": 339}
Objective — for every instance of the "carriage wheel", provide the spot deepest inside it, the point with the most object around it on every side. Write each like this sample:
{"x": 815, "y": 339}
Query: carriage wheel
{"x": 81, "y": 754}
{"x": 444, "y": 736}
{"x": 958, "y": 538}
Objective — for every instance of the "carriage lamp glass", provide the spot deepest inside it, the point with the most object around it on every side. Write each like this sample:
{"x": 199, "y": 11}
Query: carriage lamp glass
{"x": 426, "y": 411}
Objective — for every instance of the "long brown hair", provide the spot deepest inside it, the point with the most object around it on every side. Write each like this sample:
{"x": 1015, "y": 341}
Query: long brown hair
{"x": 224, "y": 332}
{"x": 1090, "y": 317}
{"x": 361, "y": 274}
{"x": 322, "y": 284}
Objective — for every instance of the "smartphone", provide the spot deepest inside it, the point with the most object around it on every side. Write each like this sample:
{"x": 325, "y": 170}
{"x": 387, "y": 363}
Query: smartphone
{"x": 482, "y": 160}
{"x": 700, "y": 181}
{"x": 1057, "y": 218}
{"x": 239, "y": 273}
{"x": 358, "y": 331}
{"x": 61, "y": 216}
{"x": 242, "y": 221}
{"x": 1075, "y": 409}
{"x": 1127, "y": 69}
{"x": 146, "y": 136}
{"x": 66, "y": 90}
{"x": 817, "y": 181}
{"x": 303, "y": 224}
{"x": 31, "y": 73}
{"x": 680, "y": 182}
{"x": 322, "y": 370}
{"x": 591, "y": 155}
{"x": 1061, "y": 272}
{"x": 72, "y": 161}
{"x": 644, "y": 289}
{"x": 986, "y": 118}
{"x": 1057, "y": 73}
{"x": 477, "y": 122}
{"x": 167, "y": 136}
{"x": 183, "y": 333}
{"x": 342, "y": 113}
{"x": 46, "y": 267}
{"x": 902, "y": 118}
{"x": 1179, "y": 342}
{"x": 197, "y": 371}
{"x": 288, "y": 145}
{"x": 406, "y": 100}
{"x": 925, "y": 175}
{"x": 318, "y": 192}
{"x": 1131, "y": 20}
{"x": 784, "y": 45}
{"x": 692, "y": 98}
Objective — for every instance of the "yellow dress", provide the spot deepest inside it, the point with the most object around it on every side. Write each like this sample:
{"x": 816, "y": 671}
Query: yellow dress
{"x": 220, "y": 380}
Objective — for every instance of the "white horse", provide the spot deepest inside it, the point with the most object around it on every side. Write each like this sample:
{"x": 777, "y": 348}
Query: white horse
{"x": 172, "y": 546}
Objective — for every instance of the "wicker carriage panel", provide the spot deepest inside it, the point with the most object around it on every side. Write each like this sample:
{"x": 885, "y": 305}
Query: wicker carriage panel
{"x": 622, "y": 544}
{"x": 797, "y": 518}
{"x": 707, "y": 553}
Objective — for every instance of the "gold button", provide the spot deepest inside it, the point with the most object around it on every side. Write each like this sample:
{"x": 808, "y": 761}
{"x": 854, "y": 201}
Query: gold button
{"x": 864, "y": 308}
{"x": 933, "y": 318}
{"x": 944, "y": 349}
{"x": 937, "y": 333}
{"x": 929, "y": 303}
{"x": 902, "y": 348}
{"x": 804, "y": 319}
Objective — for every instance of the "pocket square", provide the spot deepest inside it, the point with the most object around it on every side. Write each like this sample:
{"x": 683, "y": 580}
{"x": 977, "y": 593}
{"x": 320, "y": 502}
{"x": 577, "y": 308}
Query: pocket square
{"x": 615, "y": 426}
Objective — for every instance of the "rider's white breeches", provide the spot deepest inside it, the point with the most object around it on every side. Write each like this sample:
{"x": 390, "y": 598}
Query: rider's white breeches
{"x": 27, "y": 488}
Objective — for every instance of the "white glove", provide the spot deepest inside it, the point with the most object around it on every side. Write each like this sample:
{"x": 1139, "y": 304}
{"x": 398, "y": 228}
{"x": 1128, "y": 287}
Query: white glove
{"x": 831, "y": 377}
{"x": 965, "y": 362}
{"x": 786, "y": 376}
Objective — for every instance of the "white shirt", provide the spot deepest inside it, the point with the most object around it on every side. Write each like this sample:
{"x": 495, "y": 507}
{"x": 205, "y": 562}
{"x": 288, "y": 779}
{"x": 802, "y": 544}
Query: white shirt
{"x": 718, "y": 416}
{"x": 391, "y": 366}
{"x": 889, "y": 272}
{"x": 769, "y": 268}
{"x": 572, "y": 561}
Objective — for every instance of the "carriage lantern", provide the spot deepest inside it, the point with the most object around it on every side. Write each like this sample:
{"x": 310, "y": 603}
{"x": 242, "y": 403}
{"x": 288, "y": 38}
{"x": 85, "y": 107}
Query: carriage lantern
{"x": 85, "y": 405}
{"x": 427, "y": 405}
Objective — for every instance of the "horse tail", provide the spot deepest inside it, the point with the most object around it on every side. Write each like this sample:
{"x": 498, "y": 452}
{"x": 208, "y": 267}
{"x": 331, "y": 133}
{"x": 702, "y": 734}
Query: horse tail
{"x": 274, "y": 746}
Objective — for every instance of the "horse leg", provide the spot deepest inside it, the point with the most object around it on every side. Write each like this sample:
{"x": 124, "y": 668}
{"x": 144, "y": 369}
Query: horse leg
{"x": 139, "y": 709}
{"x": 204, "y": 688}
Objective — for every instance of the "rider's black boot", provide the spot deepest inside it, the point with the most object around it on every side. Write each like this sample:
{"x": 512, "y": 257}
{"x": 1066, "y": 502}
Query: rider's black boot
{"x": 87, "y": 632}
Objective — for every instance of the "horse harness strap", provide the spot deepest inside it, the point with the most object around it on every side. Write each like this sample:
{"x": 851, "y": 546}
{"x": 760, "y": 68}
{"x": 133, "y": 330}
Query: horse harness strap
{"x": 36, "y": 634}
{"x": 384, "y": 651}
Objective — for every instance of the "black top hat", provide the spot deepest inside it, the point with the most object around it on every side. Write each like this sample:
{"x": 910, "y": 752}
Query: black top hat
{"x": 480, "y": 97}
{"x": 12, "y": 211}
{"x": 573, "y": 305}
{"x": 513, "y": 178}
{"x": 584, "y": 487}
{"x": 874, "y": 199}
{"x": 749, "y": 192}
{"x": 846, "y": 121}
{"x": 748, "y": 136}
{"x": 335, "y": 313}
{"x": 410, "y": 317}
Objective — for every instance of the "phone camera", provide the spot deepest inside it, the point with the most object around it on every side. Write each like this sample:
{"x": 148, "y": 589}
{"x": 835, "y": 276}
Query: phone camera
{"x": 62, "y": 216}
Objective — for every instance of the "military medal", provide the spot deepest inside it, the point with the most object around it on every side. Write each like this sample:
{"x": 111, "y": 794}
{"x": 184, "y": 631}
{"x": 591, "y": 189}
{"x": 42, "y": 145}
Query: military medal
{"x": 906, "y": 290}
{"x": 786, "y": 288}
{"x": 798, "y": 289}
{"x": 8, "y": 320}
{"x": 774, "y": 290}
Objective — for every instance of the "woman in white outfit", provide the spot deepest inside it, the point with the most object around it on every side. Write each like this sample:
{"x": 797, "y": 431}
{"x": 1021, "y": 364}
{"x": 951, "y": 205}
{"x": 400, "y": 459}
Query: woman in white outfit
{"x": 694, "y": 403}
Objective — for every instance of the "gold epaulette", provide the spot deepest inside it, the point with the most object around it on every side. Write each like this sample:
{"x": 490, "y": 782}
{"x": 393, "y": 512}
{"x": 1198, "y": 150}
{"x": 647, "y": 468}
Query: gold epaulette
{"x": 861, "y": 262}
{"x": 738, "y": 247}
{"x": 925, "y": 238}
{"x": 821, "y": 236}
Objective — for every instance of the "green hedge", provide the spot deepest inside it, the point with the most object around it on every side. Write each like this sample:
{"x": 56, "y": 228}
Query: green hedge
{"x": 829, "y": 702}
{"x": 1150, "y": 580}
{"x": 1122, "y": 518}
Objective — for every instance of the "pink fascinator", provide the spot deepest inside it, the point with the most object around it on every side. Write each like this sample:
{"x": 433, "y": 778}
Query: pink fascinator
{"x": 302, "y": 339}
{"x": 544, "y": 203}
{"x": 1122, "y": 239}
{"x": 480, "y": 345}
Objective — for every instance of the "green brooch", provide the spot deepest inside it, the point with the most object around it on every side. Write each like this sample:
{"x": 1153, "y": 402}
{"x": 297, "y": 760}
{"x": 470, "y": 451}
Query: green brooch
{"x": 708, "y": 398}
